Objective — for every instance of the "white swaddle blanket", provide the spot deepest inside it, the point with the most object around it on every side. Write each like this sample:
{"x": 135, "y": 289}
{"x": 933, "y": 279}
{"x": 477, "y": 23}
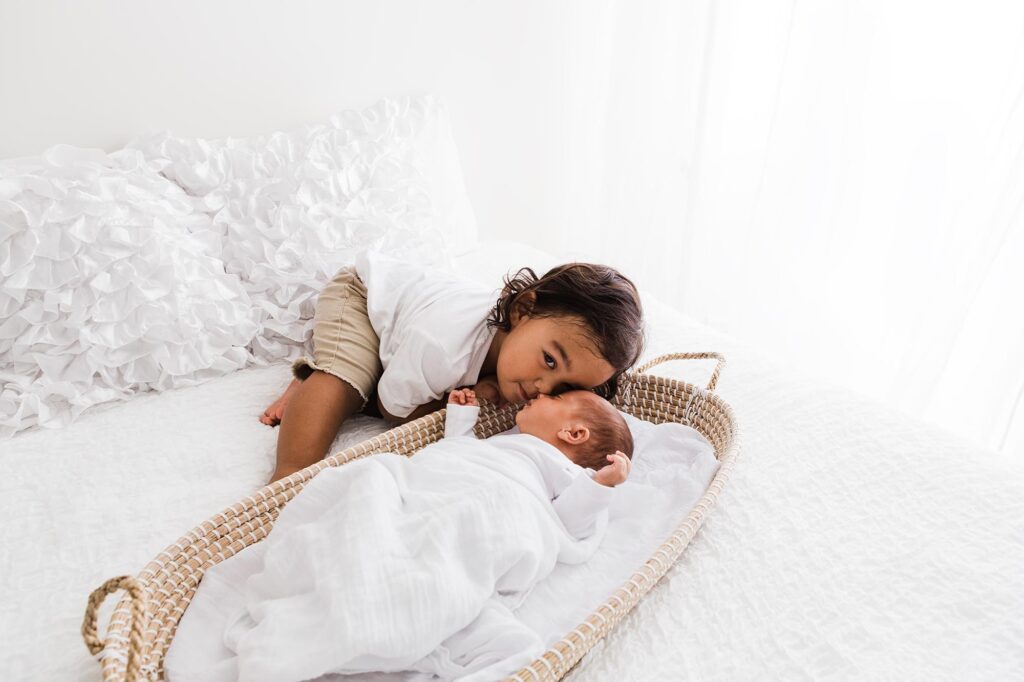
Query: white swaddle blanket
{"x": 391, "y": 563}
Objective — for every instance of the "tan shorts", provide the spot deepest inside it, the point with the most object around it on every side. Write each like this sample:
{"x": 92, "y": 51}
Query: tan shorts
{"x": 344, "y": 343}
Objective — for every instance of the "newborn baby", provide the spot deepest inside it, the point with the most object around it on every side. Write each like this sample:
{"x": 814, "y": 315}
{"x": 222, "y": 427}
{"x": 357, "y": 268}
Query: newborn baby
{"x": 584, "y": 427}
{"x": 391, "y": 563}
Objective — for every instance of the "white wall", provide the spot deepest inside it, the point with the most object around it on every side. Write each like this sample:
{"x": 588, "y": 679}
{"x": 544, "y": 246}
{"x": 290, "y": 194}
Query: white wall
{"x": 839, "y": 183}
{"x": 98, "y": 73}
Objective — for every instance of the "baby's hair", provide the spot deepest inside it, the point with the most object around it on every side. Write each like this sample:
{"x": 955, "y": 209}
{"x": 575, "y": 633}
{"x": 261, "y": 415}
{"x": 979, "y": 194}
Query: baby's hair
{"x": 608, "y": 433}
{"x": 600, "y": 297}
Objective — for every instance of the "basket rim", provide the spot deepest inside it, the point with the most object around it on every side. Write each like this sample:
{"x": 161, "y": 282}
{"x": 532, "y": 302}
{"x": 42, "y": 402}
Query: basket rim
{"x": 114, "y": 653}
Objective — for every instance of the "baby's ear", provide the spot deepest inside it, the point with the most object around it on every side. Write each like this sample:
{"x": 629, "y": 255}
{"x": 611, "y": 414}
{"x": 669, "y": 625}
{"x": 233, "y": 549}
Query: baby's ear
{"x": 575, "y": 435}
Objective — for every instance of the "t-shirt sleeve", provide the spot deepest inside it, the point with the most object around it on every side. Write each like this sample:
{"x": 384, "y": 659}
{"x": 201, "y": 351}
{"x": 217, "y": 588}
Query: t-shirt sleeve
{"x": 582, "y": 504}
{"x": 418, "y": 373}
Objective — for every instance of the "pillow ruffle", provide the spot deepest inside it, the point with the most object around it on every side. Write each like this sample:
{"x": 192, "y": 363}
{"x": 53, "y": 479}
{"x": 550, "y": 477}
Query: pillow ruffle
{"x": 104, "y": 294}
{"x": 288, "y": 210}
{"x": 176, "y": 260}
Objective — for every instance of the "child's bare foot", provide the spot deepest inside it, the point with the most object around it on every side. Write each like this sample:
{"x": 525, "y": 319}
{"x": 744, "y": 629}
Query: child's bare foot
{"x": 272, "y": 415}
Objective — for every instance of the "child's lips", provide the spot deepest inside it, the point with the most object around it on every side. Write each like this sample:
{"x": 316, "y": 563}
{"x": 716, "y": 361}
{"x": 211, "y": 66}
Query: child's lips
{"x": 523, "y": 397}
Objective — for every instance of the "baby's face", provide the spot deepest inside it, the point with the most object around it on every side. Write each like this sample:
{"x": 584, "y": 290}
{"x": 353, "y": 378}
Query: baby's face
{"x": 546, "y": 415}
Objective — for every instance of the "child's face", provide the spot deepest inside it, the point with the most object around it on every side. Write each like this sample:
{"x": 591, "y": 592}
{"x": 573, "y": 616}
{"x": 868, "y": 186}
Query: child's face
{"x": 548, "y": 355}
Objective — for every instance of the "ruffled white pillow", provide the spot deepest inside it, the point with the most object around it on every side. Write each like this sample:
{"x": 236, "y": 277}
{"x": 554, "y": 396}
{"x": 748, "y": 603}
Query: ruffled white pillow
{"x": 289, "y": 209}
{"x": 106, "y": 291}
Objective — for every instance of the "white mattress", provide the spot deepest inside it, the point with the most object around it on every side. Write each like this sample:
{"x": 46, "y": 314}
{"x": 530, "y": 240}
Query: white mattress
{"x": 850, "y": 543}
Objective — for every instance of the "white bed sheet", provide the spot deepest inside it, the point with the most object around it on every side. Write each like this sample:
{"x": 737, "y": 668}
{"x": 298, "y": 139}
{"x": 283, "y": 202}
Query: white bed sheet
{"x": 850, "y": 543}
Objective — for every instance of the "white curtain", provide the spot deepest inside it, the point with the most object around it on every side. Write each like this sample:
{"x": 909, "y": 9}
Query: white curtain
{"x": 839, "y": 183}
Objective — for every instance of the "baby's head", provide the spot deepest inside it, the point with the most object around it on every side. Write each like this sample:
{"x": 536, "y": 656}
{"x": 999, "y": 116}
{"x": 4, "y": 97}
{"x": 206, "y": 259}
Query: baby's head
{"x": 578, "y": 326}
{"x": 583, "y": 425}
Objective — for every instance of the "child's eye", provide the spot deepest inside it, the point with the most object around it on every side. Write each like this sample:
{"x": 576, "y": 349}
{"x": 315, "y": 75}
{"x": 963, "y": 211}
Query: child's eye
{"x": 549, "y": 361}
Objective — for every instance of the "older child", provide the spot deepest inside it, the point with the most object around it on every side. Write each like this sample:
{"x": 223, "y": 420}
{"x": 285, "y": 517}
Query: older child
{"x": 414, "y": 334}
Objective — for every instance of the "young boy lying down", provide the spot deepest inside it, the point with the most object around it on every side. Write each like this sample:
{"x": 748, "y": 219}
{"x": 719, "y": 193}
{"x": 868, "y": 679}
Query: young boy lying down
{"x": 391, "y": 563}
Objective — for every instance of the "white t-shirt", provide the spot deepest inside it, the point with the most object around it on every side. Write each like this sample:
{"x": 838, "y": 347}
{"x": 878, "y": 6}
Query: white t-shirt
{"x": 432, "y": 327}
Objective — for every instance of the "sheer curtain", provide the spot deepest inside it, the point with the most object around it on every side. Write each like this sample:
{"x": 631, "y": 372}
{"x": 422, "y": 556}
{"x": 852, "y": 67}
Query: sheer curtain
{"x": 839, "y": 183}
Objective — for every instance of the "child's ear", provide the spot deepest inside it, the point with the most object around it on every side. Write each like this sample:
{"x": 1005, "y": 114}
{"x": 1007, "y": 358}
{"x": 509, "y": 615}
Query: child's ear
{"x": 575, "y": 435}
{"x": 522, "y": 307}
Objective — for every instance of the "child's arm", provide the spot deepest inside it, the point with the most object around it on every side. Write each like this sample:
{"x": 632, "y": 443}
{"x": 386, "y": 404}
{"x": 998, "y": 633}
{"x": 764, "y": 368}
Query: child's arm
{"x": 463, "y": 410}
{"x": 415, "y": 381}
{"x": 487, "y": 388}
{"x": 586, "y": 499}
{"x": 421, "y": 411}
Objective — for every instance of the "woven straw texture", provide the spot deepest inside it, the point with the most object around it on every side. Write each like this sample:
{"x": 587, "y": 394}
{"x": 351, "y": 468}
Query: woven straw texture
{"x": 144, "y": 622}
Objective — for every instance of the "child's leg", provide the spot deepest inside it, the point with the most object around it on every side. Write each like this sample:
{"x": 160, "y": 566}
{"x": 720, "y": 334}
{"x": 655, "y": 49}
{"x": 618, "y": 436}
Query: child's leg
{"x": 315, "y": 412}
{"x": 335, "y": 382}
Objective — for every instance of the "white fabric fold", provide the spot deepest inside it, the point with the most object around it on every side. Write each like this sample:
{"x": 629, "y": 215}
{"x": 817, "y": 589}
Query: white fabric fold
{"x": 377, "y": 564}
{"x": 105, "y": 293}
{"x": 288, "y": 210}
{"x": 177, "y": 260}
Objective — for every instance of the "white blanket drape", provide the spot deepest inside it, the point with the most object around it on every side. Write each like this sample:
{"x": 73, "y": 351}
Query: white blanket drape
{"x": 839, "y": 183}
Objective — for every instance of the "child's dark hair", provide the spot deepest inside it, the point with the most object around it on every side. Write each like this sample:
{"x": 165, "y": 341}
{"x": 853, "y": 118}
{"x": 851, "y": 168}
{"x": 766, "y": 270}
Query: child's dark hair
{"x": 605, "y": 301}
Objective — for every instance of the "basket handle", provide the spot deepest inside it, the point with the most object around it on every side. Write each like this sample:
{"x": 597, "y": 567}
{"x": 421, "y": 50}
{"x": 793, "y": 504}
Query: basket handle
{"x": 92, "y": 640}
{"x": 688, "y": 356}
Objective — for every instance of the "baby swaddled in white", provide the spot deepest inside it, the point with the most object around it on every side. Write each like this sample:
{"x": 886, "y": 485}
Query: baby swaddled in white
{"x": 392, "y": 563}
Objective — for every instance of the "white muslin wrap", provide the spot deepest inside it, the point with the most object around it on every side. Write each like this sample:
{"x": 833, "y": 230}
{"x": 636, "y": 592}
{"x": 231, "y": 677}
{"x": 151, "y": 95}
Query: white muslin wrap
{"x": 390, "y": 563}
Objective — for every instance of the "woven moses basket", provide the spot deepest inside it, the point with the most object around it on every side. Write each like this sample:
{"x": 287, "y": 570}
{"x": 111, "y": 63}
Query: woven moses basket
{"x": 145, "y": 620}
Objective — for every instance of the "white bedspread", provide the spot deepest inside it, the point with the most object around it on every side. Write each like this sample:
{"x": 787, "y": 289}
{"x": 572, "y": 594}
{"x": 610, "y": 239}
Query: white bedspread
{"x": 851, "y": 542}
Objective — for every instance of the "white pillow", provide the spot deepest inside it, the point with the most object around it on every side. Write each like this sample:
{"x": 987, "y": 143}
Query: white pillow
{"x": 289, "y": 209}
{"x": 104, "y": 291}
